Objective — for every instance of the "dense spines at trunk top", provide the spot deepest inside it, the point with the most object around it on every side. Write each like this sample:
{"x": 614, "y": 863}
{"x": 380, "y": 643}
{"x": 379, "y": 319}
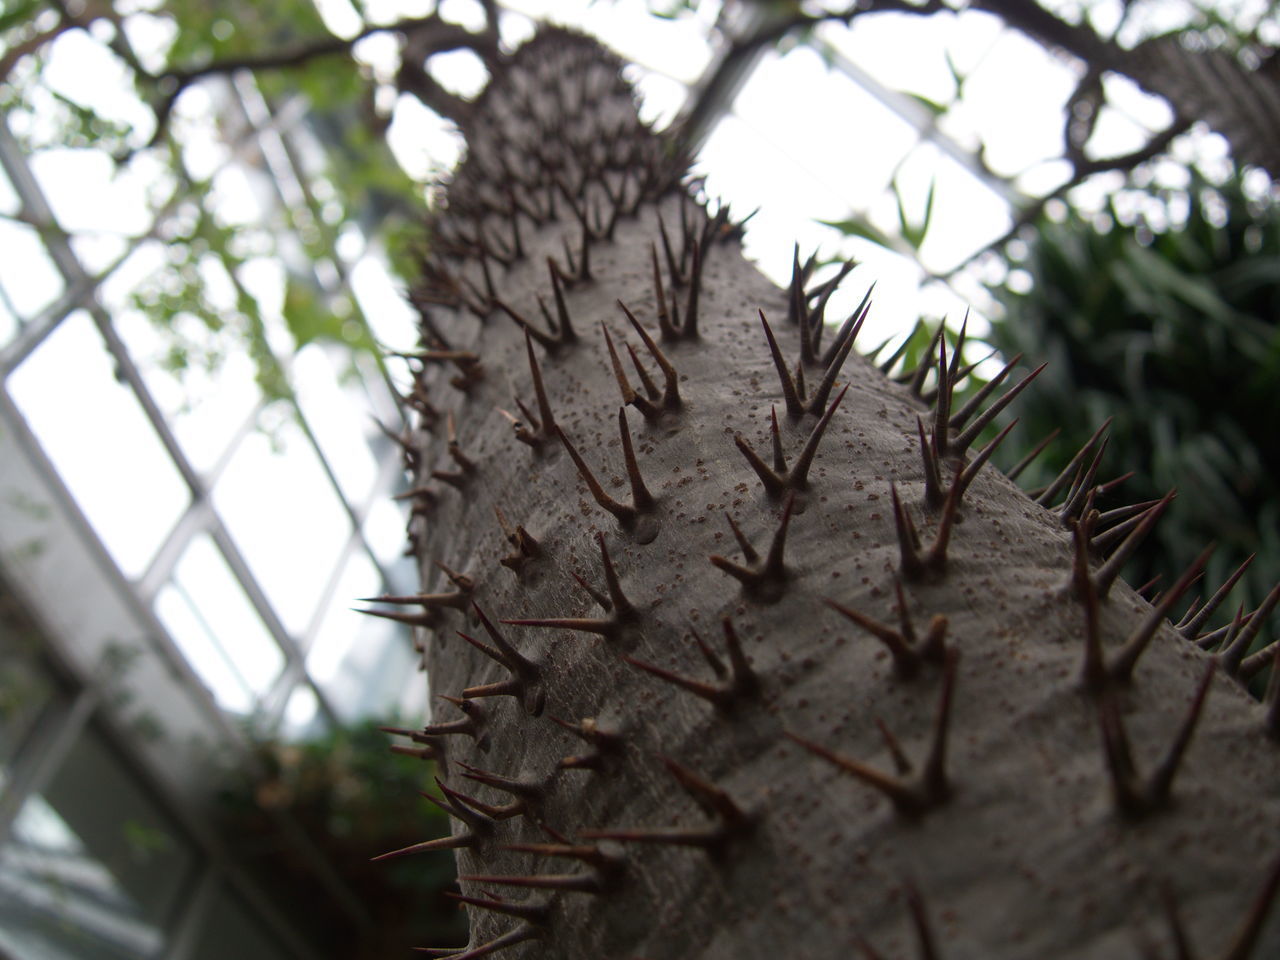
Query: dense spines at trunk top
{"x": 769, "y": 768}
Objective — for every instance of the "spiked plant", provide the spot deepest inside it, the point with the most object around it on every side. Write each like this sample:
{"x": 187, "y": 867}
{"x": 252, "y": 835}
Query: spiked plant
{"x": 744, "y": 650}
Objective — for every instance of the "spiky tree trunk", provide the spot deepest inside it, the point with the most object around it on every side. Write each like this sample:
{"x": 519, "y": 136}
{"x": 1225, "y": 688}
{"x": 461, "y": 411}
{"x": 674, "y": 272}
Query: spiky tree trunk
{"x": 748, "y": 656}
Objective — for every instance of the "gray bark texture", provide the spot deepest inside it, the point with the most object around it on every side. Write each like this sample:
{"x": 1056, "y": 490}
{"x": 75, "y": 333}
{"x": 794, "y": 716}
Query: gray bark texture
{"x": 736, "y": 658}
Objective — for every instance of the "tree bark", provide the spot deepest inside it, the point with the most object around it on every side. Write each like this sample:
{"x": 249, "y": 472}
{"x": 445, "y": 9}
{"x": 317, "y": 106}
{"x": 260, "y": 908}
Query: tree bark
{"x": 727, "y": 702}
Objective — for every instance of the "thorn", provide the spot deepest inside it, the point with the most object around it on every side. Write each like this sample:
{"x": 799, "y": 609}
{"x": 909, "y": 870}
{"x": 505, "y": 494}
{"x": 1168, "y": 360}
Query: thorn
{"x": 513, "y": 936}
{"x": 620, "y": 607}
{"x": 605, "y": 744}
{"x": 625, "y": 514}
{"x": 533, "y": 912}
{"x": 908, "y": 540}
{"x": 1109, "y": 570}
{"x": 794, "y": 409}
{"x": 659, "y": 295}
{"x": 640, "y": 495}
{"x": 960, "y": 444}
{"x": 818, "y": 401}
{"x": 732, "y": 820}
{"x": 779, "y": 477}
{"x": 916, "y": 562}
{"x": 898, "y": 351}
{"x": 673, "y": 271}
{"x": 547, "y": 422}
{"x": 1093, "y": 673}
{"x": 516, "y": 788}
{"x": 1121, "y": 668}
{"x": 965, "y": 476}
{"x": 523, "y": 683}
{"x": 774, "y": 483}
{"x": 851, "y": 327}
{"x": 1014, "y": 472}
{"x": 577, "y": 882}
{"x": 689, "y": 329}
{"x": 650, "y": 388}
{"x": 1114, "y": 525}
{"x": 942, "y": 405}
{"x": 744, "y": 545}
{"x": 1193, "y": 621}
{"x": 603, "y": 862}
{"x": 1083, "y": 485}
{"x": 933, "y": 495}
{"x": 1050, "y": 493}
{"x": 1133, "y": 796}
{"x": 1232, "y": 656}
{"x": 601, "y": 600}
{"x": 452, "y": 842}
{"x": 526, "y": 547}
{"x": 428, "y": 619}
{"x": 461, "y": 807}
{"x": 931, "y": 789}
{"x": 920, "y": 921}
{"x": 564, "y": 328}
{"x": 548, "y": 342}
{"x": 975, "y": 402}
{"x": 468, "y": 725}
{"x": 779, "y": 460}
{"x": 907, "y": 658}
{"x": 742, "y": 681}
{"x": 1242, "y": 944}
{"x": 456, "y": 599}
{"x": 624, "y": 387}
{"x": 766, "y": 579}
{"x": 915, "y": 378}
{"x": 1257, "y": 661}
{"x": 799, "y": 474}
{"x": 671, "y": 380}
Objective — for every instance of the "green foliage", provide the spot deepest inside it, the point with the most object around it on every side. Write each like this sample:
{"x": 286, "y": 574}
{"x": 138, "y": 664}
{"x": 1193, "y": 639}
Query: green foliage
{"x": 197, "y": 303}
{"x": 1174, "y": 334}
{"x": 353, "y": 799}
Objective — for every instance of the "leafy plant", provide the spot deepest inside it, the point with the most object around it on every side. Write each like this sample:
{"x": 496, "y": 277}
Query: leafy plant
{"x": 352, "y": 798}
{"x": 1165, "y": 322}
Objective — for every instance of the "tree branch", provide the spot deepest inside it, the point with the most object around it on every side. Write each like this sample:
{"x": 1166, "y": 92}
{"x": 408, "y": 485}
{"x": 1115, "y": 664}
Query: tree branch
{"x": 425, "y": 36}
{"x": 1080, "y": 171}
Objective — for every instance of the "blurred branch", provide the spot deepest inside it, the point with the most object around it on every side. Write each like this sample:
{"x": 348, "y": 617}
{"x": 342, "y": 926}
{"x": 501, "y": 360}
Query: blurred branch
{"x": 34, "y": 42}
{"x": 1081, "y": 170}
{"x": 423, "y": 37}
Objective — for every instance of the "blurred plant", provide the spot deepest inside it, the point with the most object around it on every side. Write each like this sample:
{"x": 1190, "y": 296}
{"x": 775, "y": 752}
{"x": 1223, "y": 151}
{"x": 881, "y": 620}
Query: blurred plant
{"x": 353, "y": 798}
{"x": 1164, "y": 319}
{"x": 200, "y": 302}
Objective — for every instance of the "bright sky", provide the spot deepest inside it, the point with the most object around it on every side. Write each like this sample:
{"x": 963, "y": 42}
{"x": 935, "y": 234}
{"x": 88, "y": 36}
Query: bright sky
{"x": 803, "y": 143}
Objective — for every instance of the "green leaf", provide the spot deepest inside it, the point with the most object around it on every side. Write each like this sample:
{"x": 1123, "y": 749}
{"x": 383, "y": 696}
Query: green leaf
{"x": 933, "y": 106}
{"x": 861, "y": 227}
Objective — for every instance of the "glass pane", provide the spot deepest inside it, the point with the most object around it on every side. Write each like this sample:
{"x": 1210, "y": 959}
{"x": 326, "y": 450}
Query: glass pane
{"x": 95, "y": 432}
{"x": 384, "y": 529}
{"x": 93, "y": 867}
{"x": 301, "y": 714}
{"x": 339, "y": 418}
{"x": 28, "y": 277}
{"x": 231, "y": 931}
{"x": 202, "y": 651}
{"x": 218, "y": 598}
{"x": 355, "y": 659}
{"x": 202, "y": 379}
{"x": 88, "y": 194}
{"x": 285, "y": 518}
{"x": 392, "y": 320}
